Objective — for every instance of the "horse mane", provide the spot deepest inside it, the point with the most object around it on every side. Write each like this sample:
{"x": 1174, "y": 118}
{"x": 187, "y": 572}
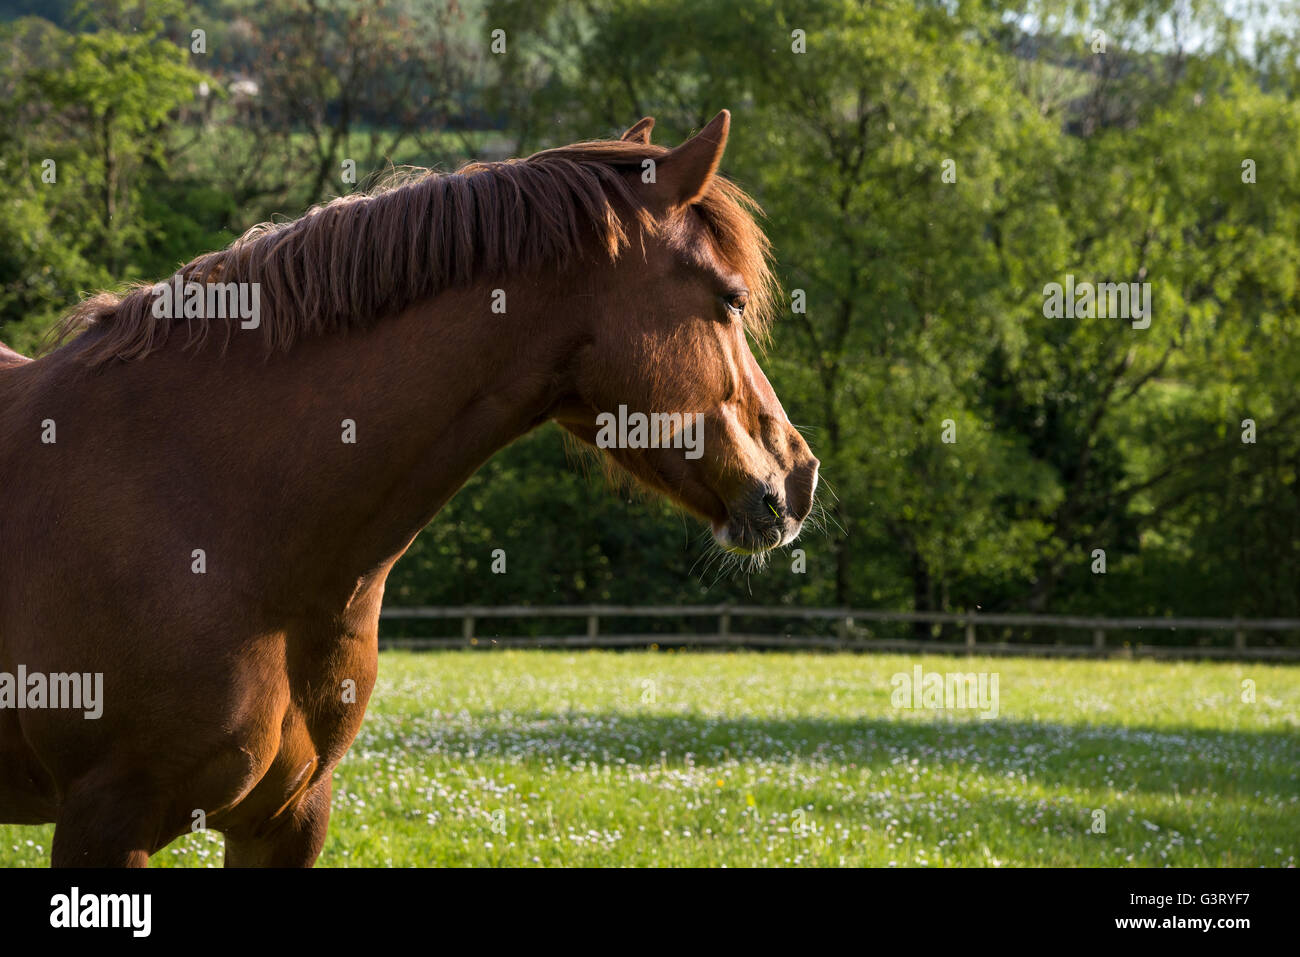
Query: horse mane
{"x": 366, "y": 256}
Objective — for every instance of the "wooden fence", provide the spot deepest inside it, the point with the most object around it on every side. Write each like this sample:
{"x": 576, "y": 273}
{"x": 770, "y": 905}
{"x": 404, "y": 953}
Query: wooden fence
{"x": 853, "y": 631}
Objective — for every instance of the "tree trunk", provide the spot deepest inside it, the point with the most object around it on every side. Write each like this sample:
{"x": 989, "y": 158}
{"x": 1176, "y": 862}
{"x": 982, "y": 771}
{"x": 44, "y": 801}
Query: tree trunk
{"x": 108, "y": 196}
{"x": 922, "y": 595}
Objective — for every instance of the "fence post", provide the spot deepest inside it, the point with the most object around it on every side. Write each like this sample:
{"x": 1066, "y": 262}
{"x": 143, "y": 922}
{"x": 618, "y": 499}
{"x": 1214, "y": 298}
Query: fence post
{"x": 970, "y": 637}
{"x": 845, "y": 628}
{"x": 1099, "y": 639}
{"x": 724, "y": 621}
{"x": 467, "y": 627}
{"x": 1239, "y": 638}
{"x": 593, "y": 626}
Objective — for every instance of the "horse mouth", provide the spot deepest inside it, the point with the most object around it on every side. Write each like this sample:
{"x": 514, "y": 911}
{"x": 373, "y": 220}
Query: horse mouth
{"x": 742, "y": 537}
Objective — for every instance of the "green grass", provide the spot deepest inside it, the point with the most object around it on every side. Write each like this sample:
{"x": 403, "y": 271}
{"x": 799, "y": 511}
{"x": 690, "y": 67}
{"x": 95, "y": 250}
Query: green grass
{"x": 601, "y": 758}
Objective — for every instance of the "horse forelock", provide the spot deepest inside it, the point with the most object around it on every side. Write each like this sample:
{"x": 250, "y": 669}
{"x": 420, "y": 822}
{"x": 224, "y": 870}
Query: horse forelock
{"x": 369, "y": 255}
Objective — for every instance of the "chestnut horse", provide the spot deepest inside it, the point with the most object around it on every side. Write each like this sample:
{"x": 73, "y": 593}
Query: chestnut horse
{"x": 203, "y": 509}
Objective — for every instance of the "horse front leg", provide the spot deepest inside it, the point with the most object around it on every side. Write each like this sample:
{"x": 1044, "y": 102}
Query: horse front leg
{"x": 293, "y": 841}
{"x": 107, "y": 820}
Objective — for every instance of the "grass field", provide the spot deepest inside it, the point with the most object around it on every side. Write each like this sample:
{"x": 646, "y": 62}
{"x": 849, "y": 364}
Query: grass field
{"x": 641, "y": 758}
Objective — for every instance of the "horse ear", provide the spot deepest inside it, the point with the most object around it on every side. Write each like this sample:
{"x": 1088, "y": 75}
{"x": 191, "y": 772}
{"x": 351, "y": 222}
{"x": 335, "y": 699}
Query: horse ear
{"x": 684, "y": 173}
{"x": 639, "y": 132}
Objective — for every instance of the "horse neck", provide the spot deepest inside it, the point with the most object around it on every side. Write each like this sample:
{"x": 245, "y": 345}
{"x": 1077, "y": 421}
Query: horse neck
{"x": 433, "y": 394}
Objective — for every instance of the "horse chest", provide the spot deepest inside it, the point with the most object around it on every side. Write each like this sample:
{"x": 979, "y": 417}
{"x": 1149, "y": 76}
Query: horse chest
{"x": 323, "y": 689}
{"x": 331, "y": 690}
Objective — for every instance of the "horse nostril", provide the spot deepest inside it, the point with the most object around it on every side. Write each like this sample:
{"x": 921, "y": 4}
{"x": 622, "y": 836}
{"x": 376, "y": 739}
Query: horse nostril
{"x": 799, "y": 487}
{"x": 773, "y": 504}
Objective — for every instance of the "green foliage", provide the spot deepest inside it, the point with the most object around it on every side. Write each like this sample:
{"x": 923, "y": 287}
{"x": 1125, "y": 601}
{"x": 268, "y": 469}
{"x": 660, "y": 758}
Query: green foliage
{"x": 926, "y": 168}
{"x": 93, "y": 110}
{"x": 925, "y": 293}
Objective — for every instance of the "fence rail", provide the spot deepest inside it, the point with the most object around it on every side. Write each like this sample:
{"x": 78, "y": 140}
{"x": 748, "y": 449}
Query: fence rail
{"x": 850, "y": 634}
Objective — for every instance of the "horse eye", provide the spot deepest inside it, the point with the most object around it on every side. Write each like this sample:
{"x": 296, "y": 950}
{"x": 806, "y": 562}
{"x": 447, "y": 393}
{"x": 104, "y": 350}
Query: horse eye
{"x": 736, "y": 303}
